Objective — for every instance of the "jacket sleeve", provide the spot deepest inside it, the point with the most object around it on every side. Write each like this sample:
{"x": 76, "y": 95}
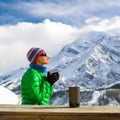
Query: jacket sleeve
{"x": 47, "y": 91}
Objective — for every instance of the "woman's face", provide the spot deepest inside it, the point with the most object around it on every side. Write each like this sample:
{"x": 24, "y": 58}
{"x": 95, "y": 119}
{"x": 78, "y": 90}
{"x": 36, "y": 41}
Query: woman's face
{"x": 42, "y": 60}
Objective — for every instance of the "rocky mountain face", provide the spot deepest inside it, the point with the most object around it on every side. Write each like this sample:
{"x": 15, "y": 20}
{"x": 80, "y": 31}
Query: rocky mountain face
{"x": 92, "y": 62}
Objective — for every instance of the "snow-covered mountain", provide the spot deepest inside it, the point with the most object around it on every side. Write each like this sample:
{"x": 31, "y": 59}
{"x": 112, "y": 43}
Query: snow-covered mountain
{"x": 92, "y": 62}
{"x": 12, "y": 80}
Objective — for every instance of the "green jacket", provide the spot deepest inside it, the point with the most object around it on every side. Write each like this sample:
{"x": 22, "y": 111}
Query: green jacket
{"x": 34, "y": 87}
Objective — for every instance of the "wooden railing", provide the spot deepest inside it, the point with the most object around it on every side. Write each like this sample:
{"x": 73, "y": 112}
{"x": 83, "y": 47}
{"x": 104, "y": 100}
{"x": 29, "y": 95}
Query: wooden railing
{"x": 28, "y": 112}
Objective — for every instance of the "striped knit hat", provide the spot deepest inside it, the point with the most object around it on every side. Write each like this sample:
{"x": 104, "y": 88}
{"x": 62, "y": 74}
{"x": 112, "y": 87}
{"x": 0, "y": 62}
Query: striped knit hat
{"x": 34, "y": 53}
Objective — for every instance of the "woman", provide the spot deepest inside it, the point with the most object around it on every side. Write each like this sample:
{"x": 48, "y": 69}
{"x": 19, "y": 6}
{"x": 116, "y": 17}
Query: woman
{"x": 36, "y": 87}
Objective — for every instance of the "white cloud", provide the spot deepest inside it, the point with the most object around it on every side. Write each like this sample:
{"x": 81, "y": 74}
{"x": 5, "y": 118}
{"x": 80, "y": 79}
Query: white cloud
{"x": 37, "y": 8}
{"x": 99, "y": 24}
{"x": 67, "y": 8}
{"x": 73, "y": 12}
{"x": 16, "y": 40}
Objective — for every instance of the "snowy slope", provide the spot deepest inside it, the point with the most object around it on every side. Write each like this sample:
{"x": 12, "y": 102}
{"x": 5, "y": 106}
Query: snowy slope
{"x": 8, "y": 97}
{"x": 12, "y": 79}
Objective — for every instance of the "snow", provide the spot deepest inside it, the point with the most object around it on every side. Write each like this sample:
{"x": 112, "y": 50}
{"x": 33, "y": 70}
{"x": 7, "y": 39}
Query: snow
{"x": 7, "y": 96}
{"x": 95, "y": 97}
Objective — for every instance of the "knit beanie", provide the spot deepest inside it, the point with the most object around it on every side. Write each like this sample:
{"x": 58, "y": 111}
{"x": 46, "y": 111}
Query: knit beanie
{"x": 34, "y": 53}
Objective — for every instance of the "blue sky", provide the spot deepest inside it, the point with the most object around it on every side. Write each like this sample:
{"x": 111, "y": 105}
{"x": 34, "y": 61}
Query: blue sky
{"x": 50, "y": 24}
{"x": 73, "y": 12}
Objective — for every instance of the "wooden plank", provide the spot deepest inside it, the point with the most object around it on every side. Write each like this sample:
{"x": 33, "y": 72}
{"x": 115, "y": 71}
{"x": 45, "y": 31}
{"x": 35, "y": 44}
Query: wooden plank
{"x": 59, "y": 109}
{"x": 29, "y": 112}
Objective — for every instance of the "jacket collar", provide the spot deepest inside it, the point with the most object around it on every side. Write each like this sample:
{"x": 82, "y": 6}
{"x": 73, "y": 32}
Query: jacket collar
{"x": 37, "y": 67}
